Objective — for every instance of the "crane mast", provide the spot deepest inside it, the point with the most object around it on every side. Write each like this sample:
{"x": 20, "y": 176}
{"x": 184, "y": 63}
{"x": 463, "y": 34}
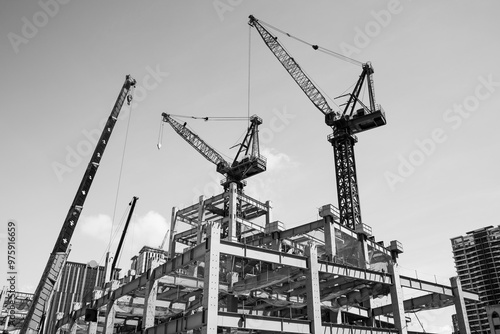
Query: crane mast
{"x": 56, "y": 259}
{"x": 344, "y": 124}
{"x": 247, "y": 162}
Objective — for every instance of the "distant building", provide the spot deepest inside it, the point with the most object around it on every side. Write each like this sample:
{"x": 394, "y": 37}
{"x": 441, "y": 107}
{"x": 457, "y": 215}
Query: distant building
{"x": 75, "y": 284}
{"x": 477, "y": 261}
{"x": 142, "y": 262}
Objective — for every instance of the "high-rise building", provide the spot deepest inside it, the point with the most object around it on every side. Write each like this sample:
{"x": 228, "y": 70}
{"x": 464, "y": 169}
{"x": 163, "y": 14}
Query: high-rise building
{"x": 75, "y": 284}
{"x": 142, "y": 262}
{"x": 477, "y": 261}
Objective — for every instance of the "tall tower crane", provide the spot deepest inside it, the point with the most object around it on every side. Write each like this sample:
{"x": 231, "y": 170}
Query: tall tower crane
{"x": 345, "y": 123}
{"x": 247, "y": 162}
{"x": 56, "y": 260}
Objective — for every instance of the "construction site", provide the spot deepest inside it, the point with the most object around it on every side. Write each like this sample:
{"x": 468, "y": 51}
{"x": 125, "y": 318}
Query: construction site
{"x": 238, "y": 268}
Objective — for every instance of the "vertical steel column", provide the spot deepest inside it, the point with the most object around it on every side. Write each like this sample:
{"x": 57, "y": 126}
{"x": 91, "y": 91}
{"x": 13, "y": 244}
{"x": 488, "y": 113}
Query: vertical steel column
{"x": 201, "y": 218}
{"x": 269, "y": 213}
{"x": 73, "y": 326}
{"x": 312, "y": 289}
{"x": 210, "y": 300}
{"x": 398, "y": 310}
{"x": 458, "y": 299}
{"x": 363, "y": 239}
{"x": 92, "y": 329}
{"x": 108, "y": 275}
{"x": 171, "y": 253}
{"x": 109, "y": 318}
{"x": 233, "y": 198}
{"x": 326, "y": 212}
{"x": 151, "y": 291}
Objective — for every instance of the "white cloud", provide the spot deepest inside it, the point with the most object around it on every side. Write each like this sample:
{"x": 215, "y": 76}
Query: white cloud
{"x": 276, "y": 160}
{"x": 149, "y": 230}
{"x": 97, "y": 227}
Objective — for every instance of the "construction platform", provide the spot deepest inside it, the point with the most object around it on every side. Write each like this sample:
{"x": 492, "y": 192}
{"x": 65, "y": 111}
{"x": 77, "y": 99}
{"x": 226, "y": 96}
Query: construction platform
{"x": 242, "y": 272}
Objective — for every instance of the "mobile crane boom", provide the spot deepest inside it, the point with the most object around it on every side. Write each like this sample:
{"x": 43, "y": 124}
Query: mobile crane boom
{"x": 344, "y": 124}
{"x": 56, "y": 259}
{"x": 247, "y": 162}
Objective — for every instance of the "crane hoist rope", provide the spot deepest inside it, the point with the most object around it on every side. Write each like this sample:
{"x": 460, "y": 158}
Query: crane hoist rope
{"x": 37, "y": 310}
{"x": 213, "y": 118}
{"x": 247, "y": 162}
{"x": 188, "y": 128}
{"x": 129, "y": 100}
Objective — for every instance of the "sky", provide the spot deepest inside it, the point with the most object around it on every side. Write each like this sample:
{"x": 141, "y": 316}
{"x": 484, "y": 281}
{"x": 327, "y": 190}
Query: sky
{"x": 429, "y": 175}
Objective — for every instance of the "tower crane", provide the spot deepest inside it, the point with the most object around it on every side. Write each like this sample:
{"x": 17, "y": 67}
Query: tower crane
{"x": 345, "y": 123}
{"x": 51, "y": 272}
{"x": 247, "y": 162}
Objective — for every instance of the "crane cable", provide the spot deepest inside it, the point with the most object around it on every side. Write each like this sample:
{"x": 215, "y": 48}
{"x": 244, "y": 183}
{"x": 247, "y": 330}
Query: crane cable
{"x": 213, "y": 118}
{"x": 315, "y": 46}
{"x": 129, "y": 100}
{"x": 160, "y": 136}
{"x": 249, "y": 72}
{"x": 302, "y": 69}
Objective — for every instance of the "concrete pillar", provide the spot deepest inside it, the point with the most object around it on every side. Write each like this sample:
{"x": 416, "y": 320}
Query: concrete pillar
{"x": 233, "y": 198}
{"x": 397, "y": 299}
{"x": 312, "y": 289}
{"x": 210, "y": 300}
{"x": 458, "y": 299}
{"x": 151, "y": 291}
{"x": 173, "y": 218}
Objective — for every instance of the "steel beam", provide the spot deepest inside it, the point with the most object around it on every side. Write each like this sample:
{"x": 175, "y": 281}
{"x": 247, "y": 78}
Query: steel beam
{"x": 231, "y": 221}
{"x": 194, "y": 254}
{"x": 354, "y": 272}
{"x": 312, "y": 290}
{"x": 463, "y": 321}
{"x": 210, "y": 301}
{"x": 414, "y": 304}
{"x": 256, "y": 253}
{"x": 151, "y": 291}
{"x": 398, "y": 310}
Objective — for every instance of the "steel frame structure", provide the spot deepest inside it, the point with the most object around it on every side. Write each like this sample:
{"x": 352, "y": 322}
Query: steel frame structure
{"x": 264, "y": 280}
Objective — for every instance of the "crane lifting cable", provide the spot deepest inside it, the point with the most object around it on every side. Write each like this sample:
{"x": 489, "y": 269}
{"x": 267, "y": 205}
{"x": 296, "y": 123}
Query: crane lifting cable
{"x": 184, "y": 125}
{"x": 315, "y": 46}
{"x": 214, "y": 118}
{"x": 247, "y": 162}
{"x": 345, "y": 126}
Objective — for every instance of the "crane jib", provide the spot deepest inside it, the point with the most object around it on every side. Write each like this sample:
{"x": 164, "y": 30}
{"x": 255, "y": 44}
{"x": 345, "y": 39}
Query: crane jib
{"x": 56, "y": 260}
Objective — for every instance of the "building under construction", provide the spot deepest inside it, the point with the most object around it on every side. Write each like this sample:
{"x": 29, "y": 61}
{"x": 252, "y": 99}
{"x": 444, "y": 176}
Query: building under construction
{"x": 240, "y": 269}
{"x": 264, "y": 279}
